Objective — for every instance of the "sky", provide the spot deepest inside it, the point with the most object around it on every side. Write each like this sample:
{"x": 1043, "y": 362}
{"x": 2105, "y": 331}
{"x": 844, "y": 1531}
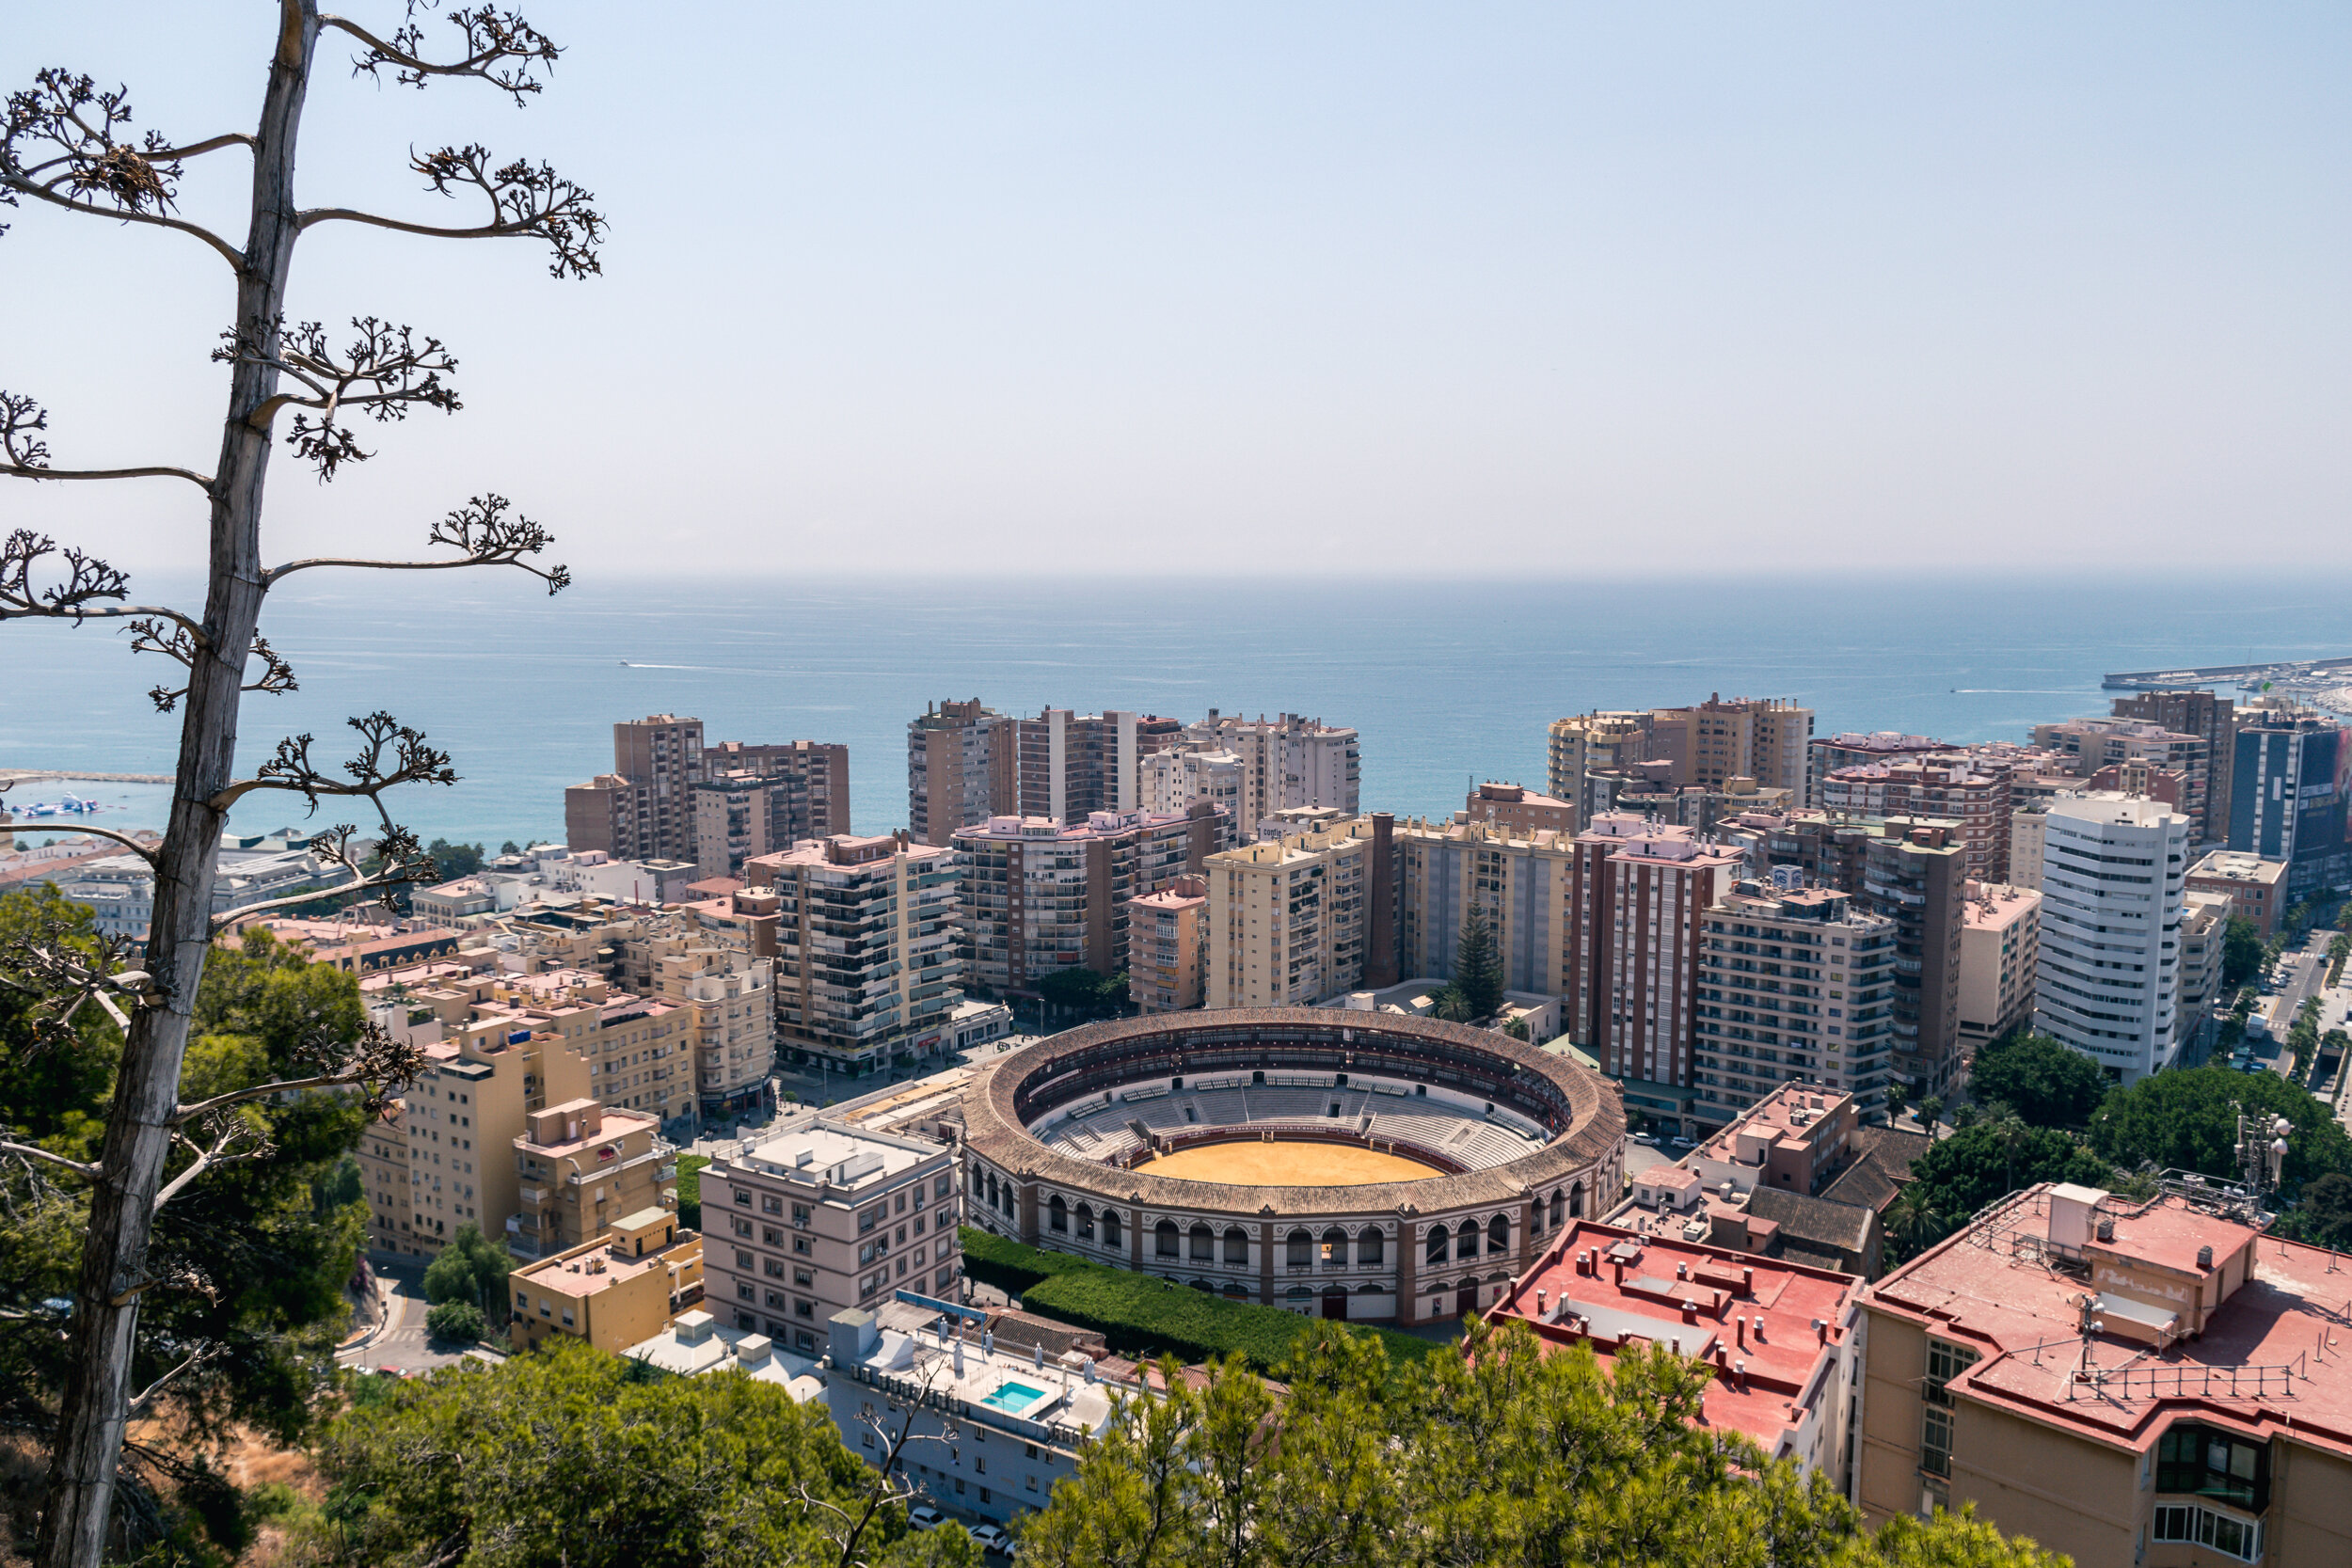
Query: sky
{"x": 1524, "y": 290}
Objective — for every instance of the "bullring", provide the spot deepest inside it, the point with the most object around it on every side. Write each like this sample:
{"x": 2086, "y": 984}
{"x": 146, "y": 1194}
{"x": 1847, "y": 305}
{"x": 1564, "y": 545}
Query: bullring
{"x": 1061, "y": 1138}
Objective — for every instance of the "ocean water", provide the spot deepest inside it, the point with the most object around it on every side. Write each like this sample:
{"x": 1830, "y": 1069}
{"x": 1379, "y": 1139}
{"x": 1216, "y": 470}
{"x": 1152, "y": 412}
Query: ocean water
{"x": 1448, "y": 682}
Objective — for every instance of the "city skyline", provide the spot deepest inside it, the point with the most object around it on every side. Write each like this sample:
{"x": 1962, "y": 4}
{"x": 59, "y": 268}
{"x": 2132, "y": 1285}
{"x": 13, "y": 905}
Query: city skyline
{"x": 1356, "y": 290}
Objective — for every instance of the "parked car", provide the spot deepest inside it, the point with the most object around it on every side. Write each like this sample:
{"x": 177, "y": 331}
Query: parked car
{"x": 992, "y": 1539}
{"x": 923, "y": 1516}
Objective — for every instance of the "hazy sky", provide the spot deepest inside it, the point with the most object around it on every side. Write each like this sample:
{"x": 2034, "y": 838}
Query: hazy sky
{"x": 1435, "y": 289}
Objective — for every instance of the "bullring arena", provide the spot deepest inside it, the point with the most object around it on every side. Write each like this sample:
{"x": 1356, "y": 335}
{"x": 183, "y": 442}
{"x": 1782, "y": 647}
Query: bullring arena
{"x": 1368, "y": 1166}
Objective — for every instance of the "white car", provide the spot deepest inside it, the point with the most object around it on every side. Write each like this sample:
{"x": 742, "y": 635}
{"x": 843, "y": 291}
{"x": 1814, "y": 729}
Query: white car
{"x": 992, "y": 1539}
{"x": 923, "y": 1516}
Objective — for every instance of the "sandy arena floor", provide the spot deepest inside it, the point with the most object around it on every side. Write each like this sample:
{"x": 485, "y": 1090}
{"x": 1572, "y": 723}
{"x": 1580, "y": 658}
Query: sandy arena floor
{"x": 1256, "y": 1163}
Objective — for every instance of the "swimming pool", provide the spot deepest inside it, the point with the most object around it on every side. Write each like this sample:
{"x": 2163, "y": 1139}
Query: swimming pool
{"x": 1013, "y": 1398}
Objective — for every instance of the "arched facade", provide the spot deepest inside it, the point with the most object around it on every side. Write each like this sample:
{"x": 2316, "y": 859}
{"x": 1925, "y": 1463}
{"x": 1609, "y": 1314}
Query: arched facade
{"x": 1402, "y": 1251}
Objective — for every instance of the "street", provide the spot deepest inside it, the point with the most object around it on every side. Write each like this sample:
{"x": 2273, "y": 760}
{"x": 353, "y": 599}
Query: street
{"x": 401, "y": 1341}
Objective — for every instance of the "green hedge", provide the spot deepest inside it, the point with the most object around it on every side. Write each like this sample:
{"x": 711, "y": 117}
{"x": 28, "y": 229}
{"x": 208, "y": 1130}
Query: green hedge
{"x": 690, "y": 1190}
{"x": 1140, "y": 1315}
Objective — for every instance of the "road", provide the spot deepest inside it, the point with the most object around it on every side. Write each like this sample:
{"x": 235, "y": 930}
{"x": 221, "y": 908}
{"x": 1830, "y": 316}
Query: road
{"x": 402, "y": 1342}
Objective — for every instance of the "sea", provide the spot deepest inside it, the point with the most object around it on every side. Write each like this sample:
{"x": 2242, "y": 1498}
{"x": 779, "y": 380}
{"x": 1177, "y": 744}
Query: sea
{"x": 1449, "y": 682}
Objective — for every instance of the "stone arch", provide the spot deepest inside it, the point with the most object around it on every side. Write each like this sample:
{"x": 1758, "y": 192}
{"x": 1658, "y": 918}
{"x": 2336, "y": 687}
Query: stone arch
{"x": 1372, "y": 1246}
{"x": 1110, "y": 1227}
{"x": 1202, "y": 1247}
{"x": 1236, "y": 1244}
{"x": 1299, "y": 1247}
{"x": 1438, "y": 1237}
{"x": 1466, "y": 1239}
{"x": 1164, "y": 1239}
{"x": 1085, "y": 1222}
{"x": 1056, "y": 1214}
{"x": 1499, "y": 1236}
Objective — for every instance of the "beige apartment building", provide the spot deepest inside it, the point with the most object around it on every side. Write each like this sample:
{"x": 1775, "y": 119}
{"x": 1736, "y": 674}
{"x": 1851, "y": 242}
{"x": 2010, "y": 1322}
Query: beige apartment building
{"x": 1717, "y": 740}
{"x": 579, "y": 1168}
{"x": 442, "y": 1156}
{"x": 1582, "y": 742}
{"x": 1524, "y": 882}
{"x": 1168, "y": 946}
{"x": 2089, "y": 747}
{"x": 2211, "y": 718}
{"x": 814, "y": 1217}
{"x": 2128, "y": 1383}
{"x": 615, "y": 1291}
{"x": 2000, "y": 950}
{"x": 956, "y": 770}
{"x": 646, "y": 807}
{"x": 1293, "y": 921}
{"x": 1795, "y": 985}
{"x": 867, "y": 962}
{"x": 1039, "y": 896}
{"x": 2204, "y": 933}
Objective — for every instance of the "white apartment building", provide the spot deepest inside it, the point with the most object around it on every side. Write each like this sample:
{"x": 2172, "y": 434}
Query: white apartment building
{"x": 816, "y": 1216}
{"x": 1285, "y": 761}
{"x": 1173, "y": 780}
{"x": 2112, "y": 901}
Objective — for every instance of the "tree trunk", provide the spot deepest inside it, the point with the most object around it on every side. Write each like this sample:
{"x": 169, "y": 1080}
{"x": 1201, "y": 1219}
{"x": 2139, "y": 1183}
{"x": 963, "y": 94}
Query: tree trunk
{"x": 97, "y": 1390}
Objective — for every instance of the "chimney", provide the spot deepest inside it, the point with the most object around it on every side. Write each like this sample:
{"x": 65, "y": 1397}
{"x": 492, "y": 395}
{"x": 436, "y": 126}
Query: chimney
{"x": 1747, "y": 1282}
{"x": 1740, "y": 1376}
{"x": 1689, "y": 1311}
{"x": 1740, "y": 1328}
{"x": 1616, "y": 1269}
{"x": 1821, "y": 1330}
{"x": 1541, "y": 1296}
{"x": 1760, "y": 1331}
{"x": 2204, "y": 1258}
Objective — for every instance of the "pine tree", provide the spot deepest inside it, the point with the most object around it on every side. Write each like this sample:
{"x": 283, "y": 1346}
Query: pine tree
{"x": 1477, "y": 966}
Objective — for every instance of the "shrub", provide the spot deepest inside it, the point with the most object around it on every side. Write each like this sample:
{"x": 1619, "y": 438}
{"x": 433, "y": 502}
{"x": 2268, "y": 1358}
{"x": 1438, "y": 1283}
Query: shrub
{"x": 1140, "y": 1315}
{"x": 690, "y": 1190}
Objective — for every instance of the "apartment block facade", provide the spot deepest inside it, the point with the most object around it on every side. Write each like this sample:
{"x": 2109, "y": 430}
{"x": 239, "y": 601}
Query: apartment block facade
{"x": 957, "y": 769}
{"x": 1168, "y": 950}
{"x": 814, "y": 1217}
{"x": 1711, "y": 743}
{"x": 581, "y": 1168}
{"x": 1795, "y": 985}
{"x": 866, "y": 965}
{"x": 1582, "y": 743}
{"x": 612, "y": 1292}
{"x": 1640, "y": 893}
{"x": 2210, "y": 717}
{"x": 2000, "y": 952}
{"x": 1285, "y": 761}
{"x": 2093, "y": 746}
{"x": 1039, "y": 896}
{"x": 1916, "y": 872}
{"x": 1524, "y": 882}
{"x": 2288, "y": 797}
{"x": 1977, "y": 798}
{"x": 2113, "y": 883}
{"x": 1293, "y": 921}
{"x": 645, "y": 809}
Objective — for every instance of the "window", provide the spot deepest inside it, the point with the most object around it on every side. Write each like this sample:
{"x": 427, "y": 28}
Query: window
{"x": 742, "y": 1197}
{"x": 1369, "y": 1247}
{"x": 2214, "y": 1465}
{"x": 2232, "y": 1537}
{"x": 1164, "y": 1239}
{"x": 1935, "y": 1442}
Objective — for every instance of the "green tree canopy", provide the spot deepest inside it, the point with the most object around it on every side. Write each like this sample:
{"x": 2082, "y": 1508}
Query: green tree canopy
{"x": 456, "y": 860}
{"x": 2183, "y": 1120}
{"x": 2323, "y": 1213}
{"x": 1085, "y": 992}
{"x": 471, "y": 1268}
{"x": 460, "y": 1320}
{"x": 2241, "y": 951}
{"x": 1997, "y": 1157}
{"x": 1508, "y": 1455}
{"x": 2047, "y": 1084}
{"x": 561, "y": 1459}
{"x": 1477, "y": 964}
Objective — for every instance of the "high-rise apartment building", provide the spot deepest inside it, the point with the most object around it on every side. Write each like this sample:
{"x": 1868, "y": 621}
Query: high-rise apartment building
{"x": 814, "y": 1217}
{"x": 1830, "y": 752}
{"x": 1167, "y": 935}
{"x": 2212, "y": 718}
{"x": 1039, "y": 896}
{"x": 1522, "y": 880}
{"x": 1641, "y": 890}
{"x": 2113, "y": 879}
{"x": 1584, "y": 741}
{"x": 1715, "y": 741}
{"x": 1073, "y": 765}
{"x": 1795, "y": 985}
{"x": 960, "y": 762}
{"x": 1173, "y": 778}
{"x": 1953, "y": 789}
{"x": 2092, "y": 746}
{"x": 1285, "y": 761}
{"x": 2000, "y": 949}
{"x": 866, "y": 959}
{"x": 1916, "y": 872}
{"x": 1296, "y": 920}
{"x": 643, "y": 810}
{"x": 2287, "y": 797}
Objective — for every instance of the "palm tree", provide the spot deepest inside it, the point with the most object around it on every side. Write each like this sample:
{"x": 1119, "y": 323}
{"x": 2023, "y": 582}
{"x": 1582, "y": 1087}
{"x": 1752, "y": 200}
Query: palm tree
{"x": 2010, "y": 1132}
{"x": 1912, "y": 1226}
